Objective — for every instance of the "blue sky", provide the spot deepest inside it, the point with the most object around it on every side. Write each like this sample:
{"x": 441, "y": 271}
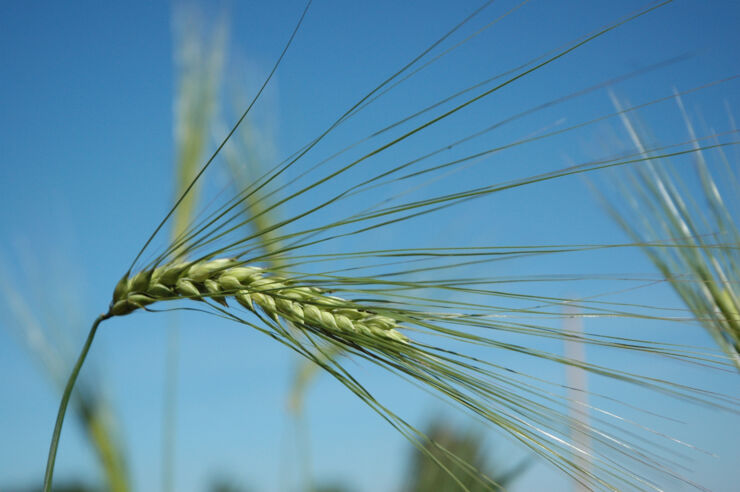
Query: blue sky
{"x": 86, "y": 158}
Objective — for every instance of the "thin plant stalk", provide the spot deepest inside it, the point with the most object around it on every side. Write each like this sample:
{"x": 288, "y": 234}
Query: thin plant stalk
{"x": 199, "y": 64}
{"x": 48, "y": 475}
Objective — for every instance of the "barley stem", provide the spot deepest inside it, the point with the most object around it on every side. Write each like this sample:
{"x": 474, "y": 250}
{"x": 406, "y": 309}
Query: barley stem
{"x": 65, "y": 401}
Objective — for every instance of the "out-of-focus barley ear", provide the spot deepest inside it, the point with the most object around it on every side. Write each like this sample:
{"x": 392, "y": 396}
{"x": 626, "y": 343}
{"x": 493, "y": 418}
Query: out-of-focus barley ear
{"x": 90, "y": 403}
{"x": 704, "y": 268}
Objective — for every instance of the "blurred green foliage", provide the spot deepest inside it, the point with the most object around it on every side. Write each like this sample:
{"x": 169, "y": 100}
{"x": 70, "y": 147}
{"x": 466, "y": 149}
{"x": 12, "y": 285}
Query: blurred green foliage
{"x": 451, "y": 448}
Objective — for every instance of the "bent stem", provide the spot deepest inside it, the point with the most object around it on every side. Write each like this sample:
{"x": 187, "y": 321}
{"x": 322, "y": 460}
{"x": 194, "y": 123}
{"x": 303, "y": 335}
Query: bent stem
{"x": 65, "y": 401}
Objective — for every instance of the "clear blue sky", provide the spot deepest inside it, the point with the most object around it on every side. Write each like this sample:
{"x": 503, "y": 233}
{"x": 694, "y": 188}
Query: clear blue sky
{"x": 86, "y": 156}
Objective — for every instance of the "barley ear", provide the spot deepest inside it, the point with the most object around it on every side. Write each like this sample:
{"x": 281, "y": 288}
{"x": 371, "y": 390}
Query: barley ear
{"x": 305, "y": 307}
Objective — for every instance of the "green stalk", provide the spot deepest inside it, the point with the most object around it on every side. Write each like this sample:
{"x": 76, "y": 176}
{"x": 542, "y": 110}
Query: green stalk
{"x": 170, "y": 407}
{"x": 65, "y": 401}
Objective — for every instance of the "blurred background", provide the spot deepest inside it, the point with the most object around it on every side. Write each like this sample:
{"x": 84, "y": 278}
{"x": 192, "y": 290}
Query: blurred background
{"x": 109, "y": 109}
